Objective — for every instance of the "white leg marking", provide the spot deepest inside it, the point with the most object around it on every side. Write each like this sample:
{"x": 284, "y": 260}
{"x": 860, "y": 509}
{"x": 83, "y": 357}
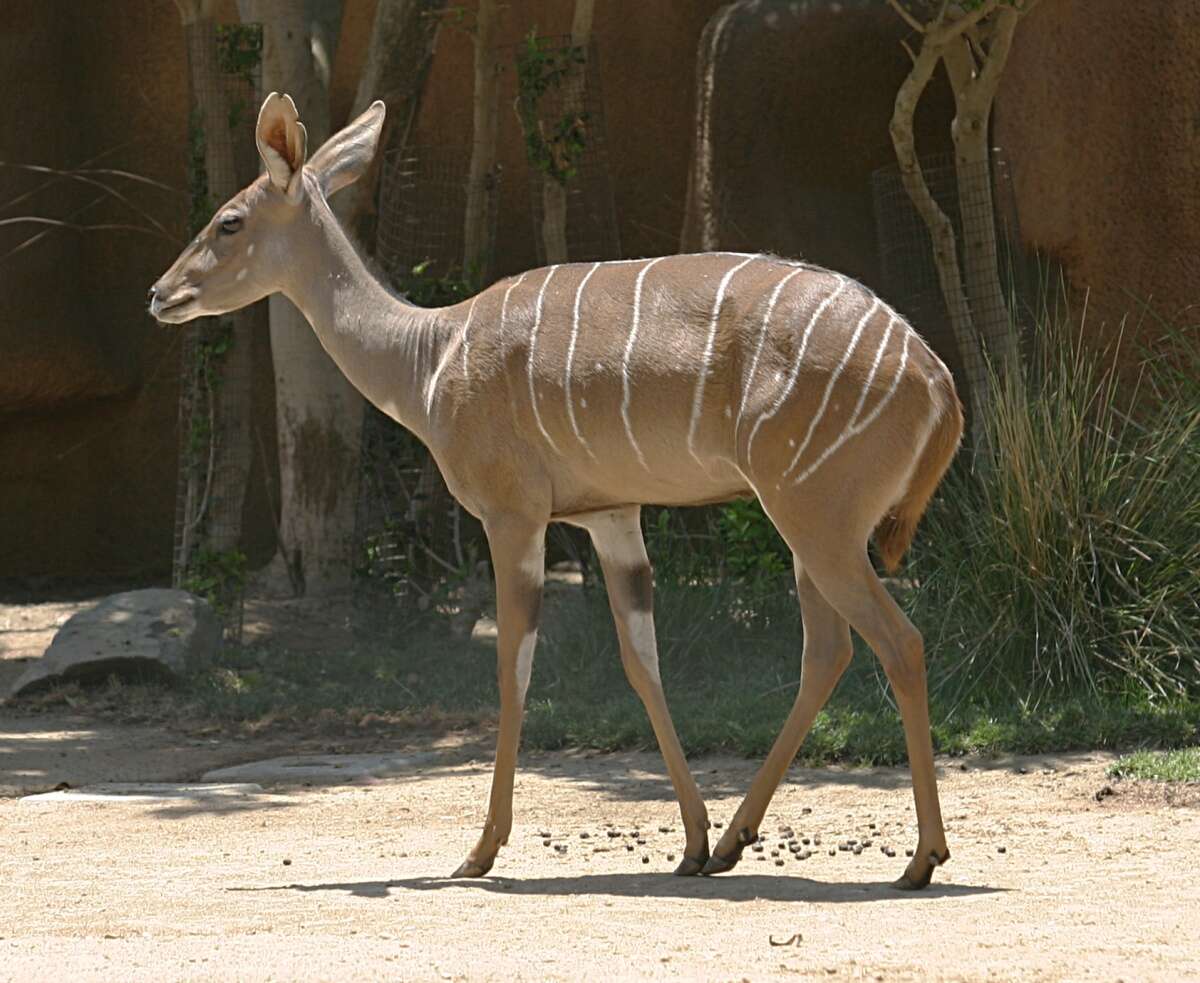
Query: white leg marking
{"x": 618, "y": 540}
{"x": 870, "y": 418}
{"x": 466, "y": 337}
{"x": 571, "y": 357}
{"x": 812, "y": 425}
{"x": 698, "y": 398}
{"x": 704, "y": 156}
{"x": 787, "y": 389}
{"x": 762, "y": 337}
{"x": 525, "y": 663}
{"x": 625, "y": 390}
{"x": 641, "y": 637}
{"x": 533, "y": 333}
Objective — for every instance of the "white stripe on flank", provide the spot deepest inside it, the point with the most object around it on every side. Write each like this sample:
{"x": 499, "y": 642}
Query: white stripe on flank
{"x": 533, "y": 333}
{"x": 571, "y": 357}
{"x": 812, "y": 425}
{"x": 625, "y": 393}
{"x": 698, "y": 398}
{"x": 762, "y": 337}
{"x": 855, "y": 430}
{"x": 466, "y": 340}
{"x": 862, "y": 397}
{"x": 782, "y": 398}
{"x": 504, "y": 303}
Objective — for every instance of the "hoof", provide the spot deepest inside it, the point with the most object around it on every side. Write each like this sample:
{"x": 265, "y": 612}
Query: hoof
{"x": 718, "y": 864}
{"x": 908, "y": 883}
{"x": 691, "y": 866}
{"x": 471, "y": 869}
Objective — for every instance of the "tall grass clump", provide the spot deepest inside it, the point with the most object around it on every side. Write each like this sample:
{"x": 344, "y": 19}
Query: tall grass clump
{"x": 1064, "y": 554}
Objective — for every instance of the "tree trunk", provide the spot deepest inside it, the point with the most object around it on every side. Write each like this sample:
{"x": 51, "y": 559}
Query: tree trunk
{"x": 974, "y": 93}
{"x": 213, "y": 516}
{"x": 403, "y": 37}
{"x": 480, "y": 177}
{"x": 554, "y": 193}
{"x": 318, "y": 412}
{"x": 941, "y": 231}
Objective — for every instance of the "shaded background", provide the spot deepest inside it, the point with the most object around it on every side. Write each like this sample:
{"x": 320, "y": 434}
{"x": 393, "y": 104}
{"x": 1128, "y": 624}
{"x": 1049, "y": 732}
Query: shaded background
{"x": 1098, "y": 117}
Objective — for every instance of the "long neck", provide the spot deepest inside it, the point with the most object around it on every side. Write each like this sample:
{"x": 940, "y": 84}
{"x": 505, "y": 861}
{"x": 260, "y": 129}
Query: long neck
{"x": 386, "y": 348}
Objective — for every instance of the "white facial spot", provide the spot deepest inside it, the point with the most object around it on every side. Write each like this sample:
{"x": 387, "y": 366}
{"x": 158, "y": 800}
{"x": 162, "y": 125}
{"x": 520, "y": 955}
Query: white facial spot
{"x": 583, "y": 403}
{"x": 250, "y": 249}
{"x": 791, "y": 441}
{"x": 241, "y": 275}
{"x": 728, "y": 412}
{"x": 599, "y": 367}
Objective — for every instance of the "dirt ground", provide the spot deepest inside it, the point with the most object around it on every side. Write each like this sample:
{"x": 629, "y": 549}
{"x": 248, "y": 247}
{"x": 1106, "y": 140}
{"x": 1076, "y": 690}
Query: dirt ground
{"x": 340, "y": 883}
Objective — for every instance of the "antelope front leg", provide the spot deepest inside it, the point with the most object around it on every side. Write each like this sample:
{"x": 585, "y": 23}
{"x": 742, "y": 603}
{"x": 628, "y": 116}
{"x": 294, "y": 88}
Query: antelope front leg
{"x": 617, "y": 536}
{"x": 518, "y": 557}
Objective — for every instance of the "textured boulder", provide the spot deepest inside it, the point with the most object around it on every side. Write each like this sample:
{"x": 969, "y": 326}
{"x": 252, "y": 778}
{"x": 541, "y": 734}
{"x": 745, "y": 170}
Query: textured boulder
{"x": 143, "y": 632}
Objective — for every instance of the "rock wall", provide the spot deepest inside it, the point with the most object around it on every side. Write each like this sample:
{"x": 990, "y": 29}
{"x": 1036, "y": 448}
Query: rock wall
{"x": 646, "y": 58}
{"x": 791, "y": 118}
{"x": 1099, "y": 111}
{"x": 88, "y": 382}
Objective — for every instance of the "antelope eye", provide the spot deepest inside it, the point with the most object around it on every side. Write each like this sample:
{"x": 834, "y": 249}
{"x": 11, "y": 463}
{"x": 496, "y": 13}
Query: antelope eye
{"x": 231, "y": 224}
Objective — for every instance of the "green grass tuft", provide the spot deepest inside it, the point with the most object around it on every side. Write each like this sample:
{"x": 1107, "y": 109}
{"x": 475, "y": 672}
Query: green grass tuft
{"x": 1182, "y": 765}
{"x": 1068, "y": 559}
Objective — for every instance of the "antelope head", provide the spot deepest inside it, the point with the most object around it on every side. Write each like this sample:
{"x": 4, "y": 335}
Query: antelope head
{"x": 250, "y": 247}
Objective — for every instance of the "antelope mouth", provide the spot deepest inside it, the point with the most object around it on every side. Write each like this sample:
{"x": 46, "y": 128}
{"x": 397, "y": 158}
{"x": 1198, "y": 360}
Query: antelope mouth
{"x": 169, "y": 312}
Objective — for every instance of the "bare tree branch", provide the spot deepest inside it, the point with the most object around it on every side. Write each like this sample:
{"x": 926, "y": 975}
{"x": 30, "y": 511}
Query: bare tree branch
{"x": 907, "y": 17}
{"x": 941, "y": 33}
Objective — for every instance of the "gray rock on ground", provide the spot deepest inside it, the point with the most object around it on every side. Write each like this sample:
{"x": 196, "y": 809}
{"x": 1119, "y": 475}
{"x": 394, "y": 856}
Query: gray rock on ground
{"x": 143, "y": 632}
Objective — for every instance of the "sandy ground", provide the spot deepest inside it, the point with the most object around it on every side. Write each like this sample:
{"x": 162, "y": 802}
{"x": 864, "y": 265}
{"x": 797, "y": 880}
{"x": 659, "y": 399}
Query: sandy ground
{"x": 342, "y": 883}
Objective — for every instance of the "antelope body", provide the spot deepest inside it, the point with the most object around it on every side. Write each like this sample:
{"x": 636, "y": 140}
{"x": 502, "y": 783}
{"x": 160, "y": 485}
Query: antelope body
{"x": 576, "y": 393}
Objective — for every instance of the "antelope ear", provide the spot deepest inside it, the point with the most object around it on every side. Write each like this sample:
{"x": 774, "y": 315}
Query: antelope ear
{"x": 282, "y": 140}
{"x": 346, "y": 155}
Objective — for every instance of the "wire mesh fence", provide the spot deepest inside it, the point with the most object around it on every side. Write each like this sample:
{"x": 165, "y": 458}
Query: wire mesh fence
{"x": 420, "y": 235}
{"x": 561, "y": 108}
{"x": 215, "y": 448}
{"x": 409, "y": 531}
{"x": 977, "y": 199}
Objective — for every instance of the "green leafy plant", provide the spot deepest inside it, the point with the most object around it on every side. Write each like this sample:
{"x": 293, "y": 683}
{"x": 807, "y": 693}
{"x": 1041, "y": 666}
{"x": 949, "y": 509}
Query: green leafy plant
{"x": 553, "y": 147}
{"x": 423, "y": 287}
{"x": 750, "y": 545}
{"x": 239, "y": 53}
{"x": 217, "y": 576}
